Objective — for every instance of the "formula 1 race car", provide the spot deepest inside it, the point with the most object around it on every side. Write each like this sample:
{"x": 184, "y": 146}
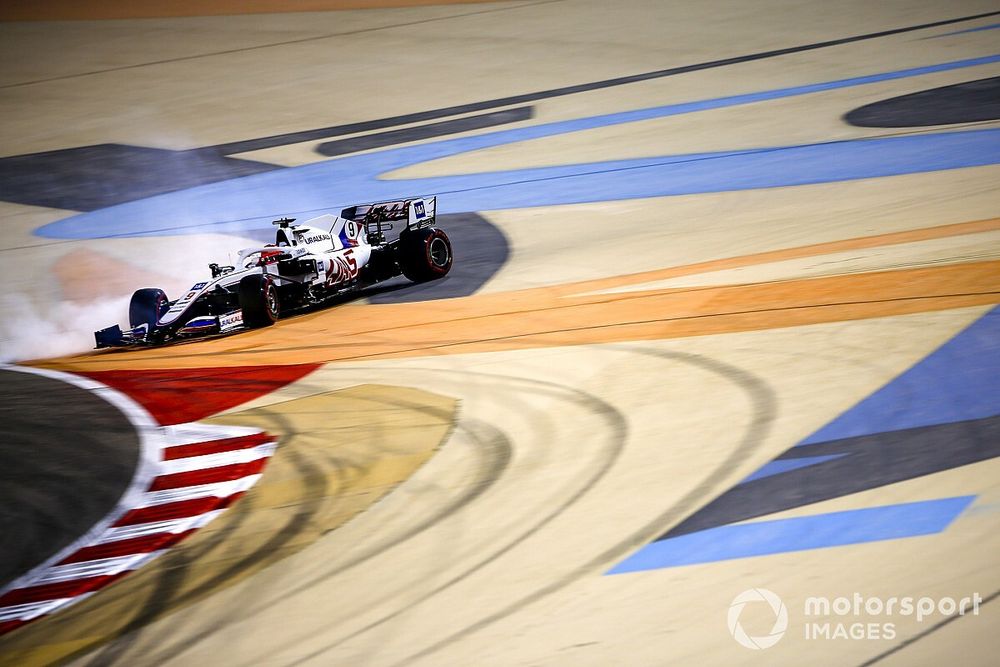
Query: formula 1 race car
{"x": 307, "y": 265}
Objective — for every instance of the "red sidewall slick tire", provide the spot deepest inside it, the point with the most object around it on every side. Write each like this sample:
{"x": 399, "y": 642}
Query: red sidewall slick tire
{"x": 259, "y": 301}
{"x": 425, "y": 254}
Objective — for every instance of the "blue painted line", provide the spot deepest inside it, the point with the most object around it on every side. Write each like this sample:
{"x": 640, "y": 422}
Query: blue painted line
{"x": 888, "y": 522}
{"x": 992, "y": 26}
{"x": 250, "y": 202}
{"x": 299, "y": 191}
{"x": 719, "y": 172}
{"x": 959, "y": 381}
{"x": 402, "y": 157}
{"x": 778, "y": 466}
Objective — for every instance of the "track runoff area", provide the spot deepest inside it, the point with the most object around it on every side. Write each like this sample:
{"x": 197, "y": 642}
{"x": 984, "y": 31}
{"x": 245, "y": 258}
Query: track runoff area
{"x": 713, "y": 377}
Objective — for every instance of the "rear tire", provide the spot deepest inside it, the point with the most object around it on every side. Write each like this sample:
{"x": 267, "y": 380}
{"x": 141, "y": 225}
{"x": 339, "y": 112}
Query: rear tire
{"x": 259, "y": 301}
{"x": 146, "y": 307}
{"x": 382, "y": 265}
{"x": 424, "y": 254}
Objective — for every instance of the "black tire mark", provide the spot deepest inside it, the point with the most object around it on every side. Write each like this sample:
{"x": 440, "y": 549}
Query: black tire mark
{"x": 489, "y": 469}
{"x": 478, "y": 489}
{"x": 607, "y": 455}
{"x": 764, "y": 410}
{"x": 917, "y": 637}
{"x": 488, "y": 473}
{"x": 468, "y": 426}
{"x": 163, "y": 597}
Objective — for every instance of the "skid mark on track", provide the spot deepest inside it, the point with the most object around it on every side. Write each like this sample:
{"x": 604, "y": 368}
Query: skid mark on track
{"x": 914, "y": 639}
{"x": 341, "y": 452}
{"x": 491, "y": 451}
{"x": 610, "y": 441}
{"x": 763, "y": 411}
{"x": 490, "y": 457}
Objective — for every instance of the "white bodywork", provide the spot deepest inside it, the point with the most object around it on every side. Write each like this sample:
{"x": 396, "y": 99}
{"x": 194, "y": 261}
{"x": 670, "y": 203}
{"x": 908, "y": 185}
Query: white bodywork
{"x": 339, "y": 248}
{"x": 309, "y": 263}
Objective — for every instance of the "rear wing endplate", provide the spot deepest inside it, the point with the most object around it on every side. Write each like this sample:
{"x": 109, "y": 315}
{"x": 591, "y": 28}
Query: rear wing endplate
{"x": 378, "y": 217}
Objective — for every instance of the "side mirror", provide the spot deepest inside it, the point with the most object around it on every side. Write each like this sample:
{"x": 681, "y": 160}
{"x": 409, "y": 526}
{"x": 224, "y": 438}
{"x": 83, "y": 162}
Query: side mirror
{"x": 219, "y": 270}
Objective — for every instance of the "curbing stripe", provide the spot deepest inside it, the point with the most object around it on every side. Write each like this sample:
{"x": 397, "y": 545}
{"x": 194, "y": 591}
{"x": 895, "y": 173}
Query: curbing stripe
{"x": 94, "y": 568}
{"x": 142, "y": 544}
{"x": 219, "y": 460}
{"x": 179, "y": 510}
{"x": 173, "y": 527}
{"x": 209, "y": 475}
{"x": 217, "y": 489}
{"x": 203, "y": 448}
{"x": 187, "y": 475}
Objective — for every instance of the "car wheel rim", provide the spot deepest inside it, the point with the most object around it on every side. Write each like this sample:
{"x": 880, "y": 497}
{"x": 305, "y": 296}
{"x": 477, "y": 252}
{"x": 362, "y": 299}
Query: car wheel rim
{"x": 439, "y": 252}
{"x": 271, "y": 299}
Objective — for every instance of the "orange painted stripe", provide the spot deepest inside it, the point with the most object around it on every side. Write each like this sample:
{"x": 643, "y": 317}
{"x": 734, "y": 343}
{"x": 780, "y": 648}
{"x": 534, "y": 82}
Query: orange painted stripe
{"x": 540, "y": 319}
{"x": 568, "y": 315}
{"x": 799, "y": 252}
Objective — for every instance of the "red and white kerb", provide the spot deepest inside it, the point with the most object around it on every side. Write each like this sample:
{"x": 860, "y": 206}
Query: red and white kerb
{"x": 187, "y": 476}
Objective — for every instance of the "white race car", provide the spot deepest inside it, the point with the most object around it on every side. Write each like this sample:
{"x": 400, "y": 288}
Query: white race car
{"x": 307, "y": 265}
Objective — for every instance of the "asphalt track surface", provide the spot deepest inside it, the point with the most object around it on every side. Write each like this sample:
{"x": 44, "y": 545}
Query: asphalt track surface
{"x": 68, "y": 456}
{"x": 723, "y": 317}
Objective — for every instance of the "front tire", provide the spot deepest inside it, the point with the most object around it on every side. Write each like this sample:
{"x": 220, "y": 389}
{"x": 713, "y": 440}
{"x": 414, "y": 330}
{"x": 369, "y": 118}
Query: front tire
{"x": 146, "y": 307}
{"x": 259, "y": 301}
{"x": 424, "y": 254}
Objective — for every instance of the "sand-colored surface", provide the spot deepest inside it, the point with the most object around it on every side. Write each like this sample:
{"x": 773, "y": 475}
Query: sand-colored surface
{"x": 340, "y": 453}
{"x": 631, "y": 361}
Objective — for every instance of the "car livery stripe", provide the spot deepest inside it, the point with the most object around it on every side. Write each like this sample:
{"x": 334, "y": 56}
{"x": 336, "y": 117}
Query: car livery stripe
{"x": 181, "y": 305}
{"x": 189, "y": 474}
{"x": 346, "y": 241}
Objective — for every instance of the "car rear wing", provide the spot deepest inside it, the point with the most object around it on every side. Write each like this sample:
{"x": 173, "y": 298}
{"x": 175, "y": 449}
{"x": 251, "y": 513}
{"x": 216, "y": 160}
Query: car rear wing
{"x": 378, "y": 217}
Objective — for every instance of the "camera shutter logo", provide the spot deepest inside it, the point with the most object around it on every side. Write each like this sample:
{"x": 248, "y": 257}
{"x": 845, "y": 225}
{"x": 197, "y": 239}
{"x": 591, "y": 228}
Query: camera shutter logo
{"x": 780, "y": 618}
